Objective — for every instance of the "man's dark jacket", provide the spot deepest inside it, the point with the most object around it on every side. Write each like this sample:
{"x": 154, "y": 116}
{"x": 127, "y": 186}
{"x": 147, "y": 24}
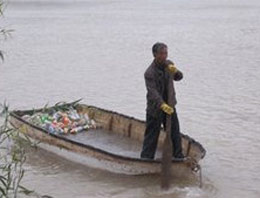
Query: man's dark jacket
{"x": 156, "y": 80}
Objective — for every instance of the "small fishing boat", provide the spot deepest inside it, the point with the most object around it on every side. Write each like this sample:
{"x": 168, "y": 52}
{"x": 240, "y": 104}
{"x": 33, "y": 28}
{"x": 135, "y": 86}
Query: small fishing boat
{"x": 114, "y": 146}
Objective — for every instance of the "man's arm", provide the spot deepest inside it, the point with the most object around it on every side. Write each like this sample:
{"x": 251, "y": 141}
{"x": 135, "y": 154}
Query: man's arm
{"x": 152, "y": 93}
{"x": 154, "y": 96}
{"x": 178, "y": 75}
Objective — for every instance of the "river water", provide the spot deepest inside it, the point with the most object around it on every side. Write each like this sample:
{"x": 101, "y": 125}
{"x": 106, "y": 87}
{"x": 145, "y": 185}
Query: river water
{"x": 98, "y": 50}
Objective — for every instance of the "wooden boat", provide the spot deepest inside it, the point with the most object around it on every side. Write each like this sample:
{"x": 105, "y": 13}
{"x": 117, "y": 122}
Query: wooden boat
{"x": 115, "y": 147}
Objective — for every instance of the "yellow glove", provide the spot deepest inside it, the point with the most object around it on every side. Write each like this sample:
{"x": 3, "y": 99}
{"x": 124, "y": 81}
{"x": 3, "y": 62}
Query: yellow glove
{"x": 166, "y": 108}
{"x": 172, "y": 68}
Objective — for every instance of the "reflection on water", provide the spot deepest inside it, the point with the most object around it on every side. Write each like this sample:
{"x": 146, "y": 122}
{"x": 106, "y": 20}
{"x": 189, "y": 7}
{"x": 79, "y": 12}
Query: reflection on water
{"x": 99, "y": 50}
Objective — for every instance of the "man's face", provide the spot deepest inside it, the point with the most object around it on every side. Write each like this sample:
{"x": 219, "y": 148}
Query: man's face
{"x": 161, "y": 55}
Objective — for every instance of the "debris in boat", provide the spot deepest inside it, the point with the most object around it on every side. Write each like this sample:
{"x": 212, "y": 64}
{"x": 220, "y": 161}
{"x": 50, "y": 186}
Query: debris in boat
{"x": 62, "y": 122}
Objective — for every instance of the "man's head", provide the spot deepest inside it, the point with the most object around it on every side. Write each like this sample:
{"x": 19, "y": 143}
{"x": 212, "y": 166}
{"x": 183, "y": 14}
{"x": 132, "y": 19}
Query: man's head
{"x": 160, "y": 52}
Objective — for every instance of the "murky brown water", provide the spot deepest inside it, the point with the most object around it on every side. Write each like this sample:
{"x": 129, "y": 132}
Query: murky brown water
{"x": 99, "y": 50}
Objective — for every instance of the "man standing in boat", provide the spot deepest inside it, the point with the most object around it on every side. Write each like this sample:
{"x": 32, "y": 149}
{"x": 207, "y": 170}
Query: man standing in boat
{"x": 156, "y": 81}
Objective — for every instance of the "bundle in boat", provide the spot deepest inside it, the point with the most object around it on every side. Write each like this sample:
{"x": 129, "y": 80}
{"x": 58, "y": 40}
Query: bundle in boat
{"x": 62, "y": 121}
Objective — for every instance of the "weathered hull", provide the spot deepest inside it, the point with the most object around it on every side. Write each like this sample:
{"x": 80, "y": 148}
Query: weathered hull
{"x": 98, "y": 158}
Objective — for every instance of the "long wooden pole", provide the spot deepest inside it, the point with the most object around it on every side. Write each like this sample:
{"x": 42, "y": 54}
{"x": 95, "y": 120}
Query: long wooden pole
{"x": 167, "y": 146}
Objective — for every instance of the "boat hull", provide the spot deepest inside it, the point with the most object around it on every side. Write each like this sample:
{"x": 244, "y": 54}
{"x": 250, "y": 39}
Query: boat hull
{"x": 95, "y": 157}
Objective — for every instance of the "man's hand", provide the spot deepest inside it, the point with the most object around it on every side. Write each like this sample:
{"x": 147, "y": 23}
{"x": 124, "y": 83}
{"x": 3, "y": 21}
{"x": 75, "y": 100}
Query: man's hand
{"x": 172, "y": 68}
{"x": 167, "y": 109}
{"x": 177, "y": 73}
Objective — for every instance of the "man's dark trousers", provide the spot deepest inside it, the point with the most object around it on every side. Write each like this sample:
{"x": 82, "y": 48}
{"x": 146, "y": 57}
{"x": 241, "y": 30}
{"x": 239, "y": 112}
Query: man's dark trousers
{"x": 152, "y": 132}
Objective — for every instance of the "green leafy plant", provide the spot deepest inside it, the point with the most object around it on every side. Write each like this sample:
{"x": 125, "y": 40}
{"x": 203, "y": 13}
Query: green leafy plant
{"x": 1, "y": 29}
{"x": 12, "y": 153}
{"x": 12, "y": 158}
{"x": 4, "y": 33}
{"x": 1, "y": 14}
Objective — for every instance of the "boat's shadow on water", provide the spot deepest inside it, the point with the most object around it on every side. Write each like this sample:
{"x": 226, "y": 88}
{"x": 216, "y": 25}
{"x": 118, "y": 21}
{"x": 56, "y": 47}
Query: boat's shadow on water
{"x": 57, "y": 170}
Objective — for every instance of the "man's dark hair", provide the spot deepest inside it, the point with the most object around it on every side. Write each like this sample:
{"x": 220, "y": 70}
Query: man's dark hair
{"x": 157, "y": 47}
